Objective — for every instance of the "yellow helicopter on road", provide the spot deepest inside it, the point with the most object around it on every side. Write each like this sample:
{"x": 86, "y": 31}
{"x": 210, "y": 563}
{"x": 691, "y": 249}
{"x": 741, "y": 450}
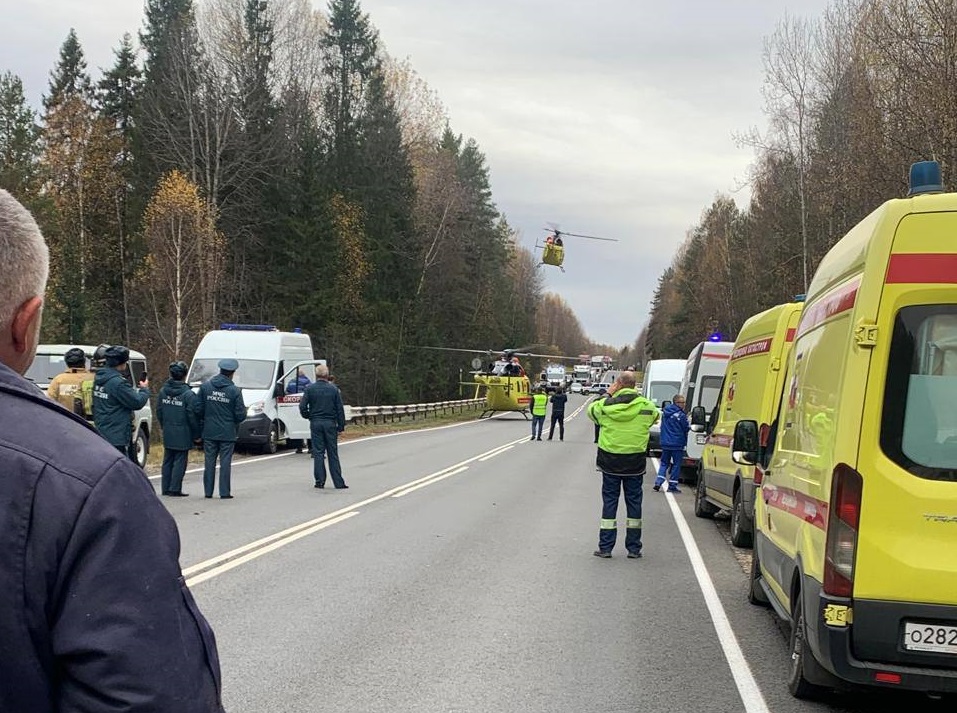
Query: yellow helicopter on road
{"x": 506, "y": 383}
{"x": 553, "y": 249}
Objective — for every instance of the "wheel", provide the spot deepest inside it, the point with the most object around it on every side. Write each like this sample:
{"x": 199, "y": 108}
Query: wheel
{"x": 702, "y": 508}
{"x": 803, "y": 664}
{"x": 272, "y": 445}
{"x": 756, "y": 593}
{"x": 142, "y": 447}
{"x": 739, "y": 536}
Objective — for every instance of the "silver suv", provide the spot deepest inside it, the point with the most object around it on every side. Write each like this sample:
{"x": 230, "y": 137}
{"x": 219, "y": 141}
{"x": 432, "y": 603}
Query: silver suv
{"x": 49, "y": 362}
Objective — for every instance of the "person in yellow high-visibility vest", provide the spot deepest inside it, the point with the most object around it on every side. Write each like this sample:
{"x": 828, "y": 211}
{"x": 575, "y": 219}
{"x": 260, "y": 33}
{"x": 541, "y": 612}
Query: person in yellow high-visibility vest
{"x": 539, "y": 407}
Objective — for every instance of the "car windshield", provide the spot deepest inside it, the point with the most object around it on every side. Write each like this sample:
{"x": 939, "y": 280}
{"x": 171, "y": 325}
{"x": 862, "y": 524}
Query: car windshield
{"x": 251, "y": 374}
{"x": 660, "y": 391}
{"x": 45, "y": 367}
{"x": 919, "y": 421}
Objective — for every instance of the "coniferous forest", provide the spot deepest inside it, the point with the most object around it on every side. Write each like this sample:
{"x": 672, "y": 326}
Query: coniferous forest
{"x": 259, "y": 161}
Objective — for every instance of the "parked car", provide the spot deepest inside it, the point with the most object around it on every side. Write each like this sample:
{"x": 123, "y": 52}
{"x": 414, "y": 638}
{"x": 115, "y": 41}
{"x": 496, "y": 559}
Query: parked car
{"x": 576, "y": 388}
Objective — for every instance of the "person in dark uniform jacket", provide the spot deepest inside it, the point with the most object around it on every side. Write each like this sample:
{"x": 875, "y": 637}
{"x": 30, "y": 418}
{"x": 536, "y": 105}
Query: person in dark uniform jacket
{"x": 94, "y": 612}
{"x": 221, "y": 410}
{"x": 115, "y": 400}
{"x": 177, "y": 409}
{"x": 322, "y": 405}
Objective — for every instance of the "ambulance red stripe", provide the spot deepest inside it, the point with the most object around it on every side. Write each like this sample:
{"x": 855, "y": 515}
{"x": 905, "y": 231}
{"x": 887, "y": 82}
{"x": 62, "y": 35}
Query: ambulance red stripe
{"x": 811, "y": 510}
{"x": 922, "y": 268}
{"x": 840, "y": 300}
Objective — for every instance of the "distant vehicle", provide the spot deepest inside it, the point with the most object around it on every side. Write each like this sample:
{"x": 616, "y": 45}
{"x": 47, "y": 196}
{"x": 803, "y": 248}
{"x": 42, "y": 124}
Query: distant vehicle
{"x": 49, "y": 362}
{"x": 576, "y": 388}
{"x": 700, "y": 387}
{"x": 662, "y": 381}
{"x": 269, "y": 361}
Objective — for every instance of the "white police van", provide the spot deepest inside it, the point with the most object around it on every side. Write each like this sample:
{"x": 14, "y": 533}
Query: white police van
{"x": 273, "y": 369}
{"x": 49, "y": 362}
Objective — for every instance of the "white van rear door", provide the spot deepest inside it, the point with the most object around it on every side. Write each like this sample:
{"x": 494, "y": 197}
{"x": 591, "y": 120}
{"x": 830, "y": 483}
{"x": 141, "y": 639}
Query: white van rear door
{"x": 293, "y": 383}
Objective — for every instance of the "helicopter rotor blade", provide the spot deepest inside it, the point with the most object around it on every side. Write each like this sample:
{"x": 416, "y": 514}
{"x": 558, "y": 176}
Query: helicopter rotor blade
{"x": 591, "y": 237}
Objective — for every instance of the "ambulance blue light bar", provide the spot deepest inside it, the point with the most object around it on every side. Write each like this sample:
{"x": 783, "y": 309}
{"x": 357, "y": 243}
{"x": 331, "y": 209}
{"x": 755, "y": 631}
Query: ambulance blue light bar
{"x": 248, "y": 327}
{"x": 800, "y": 298}
{"x": 925, "y": 178}
{"x": 715, "y": 337}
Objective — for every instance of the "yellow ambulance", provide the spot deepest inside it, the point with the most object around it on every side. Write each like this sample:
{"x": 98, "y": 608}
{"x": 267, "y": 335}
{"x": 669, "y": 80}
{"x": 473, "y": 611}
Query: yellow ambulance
{"x": 750, "y": 391}
{"x": 856, "y": 516}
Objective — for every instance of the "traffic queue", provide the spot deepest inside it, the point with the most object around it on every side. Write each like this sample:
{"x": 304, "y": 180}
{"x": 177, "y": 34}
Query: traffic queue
{"x": 833, "y": 444}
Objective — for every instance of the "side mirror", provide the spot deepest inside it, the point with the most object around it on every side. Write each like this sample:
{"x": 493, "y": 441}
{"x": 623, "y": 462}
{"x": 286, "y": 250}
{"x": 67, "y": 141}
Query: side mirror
{"x": 277, "y": 391}
{"x": 698, "y": 416}
{"x": 744, "y": 446}
{"x": 665, "y": 404}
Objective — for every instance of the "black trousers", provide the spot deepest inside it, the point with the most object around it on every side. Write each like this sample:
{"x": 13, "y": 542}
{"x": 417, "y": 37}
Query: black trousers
{"x": 174, "y": 468}
{"x": 558, "y": 418}
{"x": 611, "y": 487}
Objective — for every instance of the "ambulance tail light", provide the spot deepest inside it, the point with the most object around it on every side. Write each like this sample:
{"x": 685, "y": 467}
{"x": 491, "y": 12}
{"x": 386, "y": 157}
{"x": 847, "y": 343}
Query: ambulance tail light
{"x": 842, "y": 527}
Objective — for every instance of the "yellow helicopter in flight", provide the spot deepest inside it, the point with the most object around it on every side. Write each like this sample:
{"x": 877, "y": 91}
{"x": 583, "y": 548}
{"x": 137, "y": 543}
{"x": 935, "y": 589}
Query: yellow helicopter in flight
{"x": 506, "y": 383}
{"x": 553, "y": 249}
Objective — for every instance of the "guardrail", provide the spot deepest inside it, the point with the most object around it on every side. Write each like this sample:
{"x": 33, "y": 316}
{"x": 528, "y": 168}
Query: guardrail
{"x": 386, "y": 414}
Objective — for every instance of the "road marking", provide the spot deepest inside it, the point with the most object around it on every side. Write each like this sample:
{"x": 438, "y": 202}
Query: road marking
{"x": 747, "y": 686}
{"x": 496, "y": 453}
{"x": 433, "y": 480}
{"x": 290, "y": 534}
{"x": 260, "y": 459}
{"x": 232, "y": 564}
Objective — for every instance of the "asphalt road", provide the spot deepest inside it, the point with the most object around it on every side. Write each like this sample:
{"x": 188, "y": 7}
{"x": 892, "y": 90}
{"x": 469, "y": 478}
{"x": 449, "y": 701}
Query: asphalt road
{"x": 456, "y": 574}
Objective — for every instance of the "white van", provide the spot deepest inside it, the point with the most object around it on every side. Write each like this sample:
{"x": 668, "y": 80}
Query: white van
{"x": 273, "y": 369}
{"x": 701, "y": 387}
{"x": 662, "y": 381}
{"x": 49, "y": 362}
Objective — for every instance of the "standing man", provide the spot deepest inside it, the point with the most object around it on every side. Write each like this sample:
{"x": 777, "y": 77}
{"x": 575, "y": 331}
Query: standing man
{"x": 322, "y": 405}
{"x": 115, "y": 400}
{"x": 94, "y": 615}
{"x": 559, "y": 399}
{"x": 177, "y": 409}
{"x": 539, "y": 408}
{"x": 65, "y": 387}
{"x": 674, "y": 440}
{"x": 221, "y": 409}
{"x": 625, "y": 418}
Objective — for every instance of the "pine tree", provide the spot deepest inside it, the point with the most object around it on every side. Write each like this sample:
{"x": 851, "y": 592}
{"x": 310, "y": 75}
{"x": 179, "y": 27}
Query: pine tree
{"x": 19, "y": 148}
{"x": 70, "y": 76}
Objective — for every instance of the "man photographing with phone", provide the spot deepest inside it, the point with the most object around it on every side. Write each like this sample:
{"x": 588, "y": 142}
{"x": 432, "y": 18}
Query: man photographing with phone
{"x": 115, "y": 400}
{"x": 625, "y": 416}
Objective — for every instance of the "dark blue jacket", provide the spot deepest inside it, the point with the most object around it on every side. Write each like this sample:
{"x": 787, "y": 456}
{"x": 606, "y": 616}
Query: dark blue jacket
{"x": 322, "y": 401}
{"x": 674, "y": 428}
{"x": 114, "y": 401}
{"x": 94, "y": 612}
{"x": 221, "y": 408}
{"x": 298, "y": 385}
{"x": 558, "y": 403}
{"x": 177, "y": 409}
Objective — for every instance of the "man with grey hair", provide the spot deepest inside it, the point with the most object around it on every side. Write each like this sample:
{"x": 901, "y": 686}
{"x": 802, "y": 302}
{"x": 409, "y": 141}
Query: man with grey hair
{"x": 94, "y": 612}
{"x": 322, "y": 404}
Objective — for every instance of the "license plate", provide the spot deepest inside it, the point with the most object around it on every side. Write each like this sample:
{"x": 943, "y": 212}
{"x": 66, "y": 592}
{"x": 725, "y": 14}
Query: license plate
{"x": 930, "y": 637}
{"x": 701, "y": 439}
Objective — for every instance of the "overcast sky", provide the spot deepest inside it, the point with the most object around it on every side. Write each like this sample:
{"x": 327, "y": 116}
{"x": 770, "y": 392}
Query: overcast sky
{"x": 608, "y": 117}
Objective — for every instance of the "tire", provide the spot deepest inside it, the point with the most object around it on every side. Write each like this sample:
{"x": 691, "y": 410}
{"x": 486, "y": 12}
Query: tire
{"x": 142, "y": 445}
{"x": 756, "y": 593}
{"x": 272, "y": 444}
{"x": 739, "y": 536}
{"x": 803, "y": 665}
{"x": 702, "y": 508}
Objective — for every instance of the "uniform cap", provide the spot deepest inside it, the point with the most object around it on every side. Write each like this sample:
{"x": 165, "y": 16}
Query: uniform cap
{"x": 178, "y": 370}
{"x": 228, "y": 364}
{"x": 75, "y": 358}
{"x": 117, "y": 355}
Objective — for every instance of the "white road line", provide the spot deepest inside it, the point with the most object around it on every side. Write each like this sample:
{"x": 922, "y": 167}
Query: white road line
{"x": 748, "y": 688}
{"x": 292, "y": 533}
{"x": 260, "y": 459}
{"x": 500, "y": 451}
{"x": 429, "y": 482}
{"x": 209, "y": 574}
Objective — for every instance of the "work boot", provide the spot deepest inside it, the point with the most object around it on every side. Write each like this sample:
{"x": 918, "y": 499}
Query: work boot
{"x": 602, "y": 554}
{"x": 634, "y": 555}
